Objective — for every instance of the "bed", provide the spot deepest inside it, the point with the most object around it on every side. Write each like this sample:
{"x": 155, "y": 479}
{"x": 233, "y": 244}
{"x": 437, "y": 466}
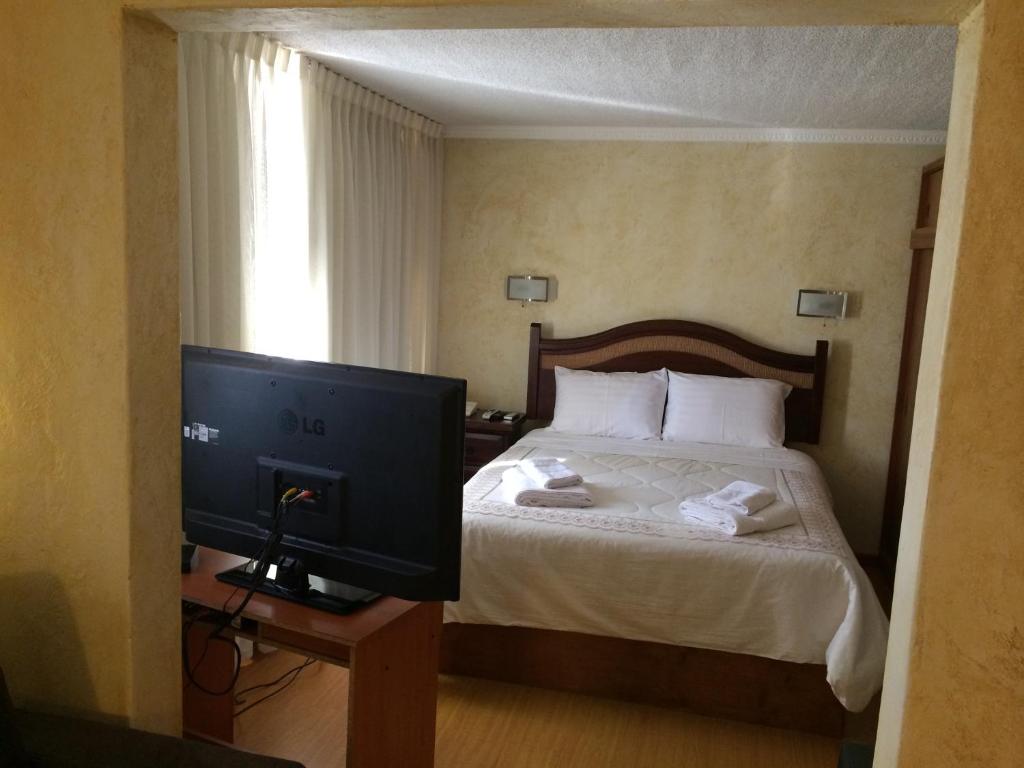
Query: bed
{"x": 626, "y": 599}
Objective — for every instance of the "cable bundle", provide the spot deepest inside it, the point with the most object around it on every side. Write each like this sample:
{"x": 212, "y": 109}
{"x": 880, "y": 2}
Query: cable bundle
{"x": 263, "y": 559}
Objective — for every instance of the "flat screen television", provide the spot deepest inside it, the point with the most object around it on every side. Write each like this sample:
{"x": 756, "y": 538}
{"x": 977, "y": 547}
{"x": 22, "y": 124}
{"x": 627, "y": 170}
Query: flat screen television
{"x": 379, "y": 452}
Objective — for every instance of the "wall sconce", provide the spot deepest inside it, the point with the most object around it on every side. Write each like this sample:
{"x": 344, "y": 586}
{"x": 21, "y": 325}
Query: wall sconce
{"x": 811, "y": 303}
{"x": 526, "y": 288}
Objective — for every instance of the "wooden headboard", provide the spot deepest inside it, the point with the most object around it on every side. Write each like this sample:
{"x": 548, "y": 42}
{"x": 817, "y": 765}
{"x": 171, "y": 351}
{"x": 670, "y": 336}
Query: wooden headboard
{"x": 686, "y": 347}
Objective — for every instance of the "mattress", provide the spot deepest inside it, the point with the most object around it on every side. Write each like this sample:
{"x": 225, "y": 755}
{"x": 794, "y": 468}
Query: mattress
{"x": 630, "y": 567}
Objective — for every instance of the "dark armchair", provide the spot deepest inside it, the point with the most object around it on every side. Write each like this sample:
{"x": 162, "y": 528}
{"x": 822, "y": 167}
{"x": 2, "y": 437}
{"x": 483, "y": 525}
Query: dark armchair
{"x": 36, "y": 740}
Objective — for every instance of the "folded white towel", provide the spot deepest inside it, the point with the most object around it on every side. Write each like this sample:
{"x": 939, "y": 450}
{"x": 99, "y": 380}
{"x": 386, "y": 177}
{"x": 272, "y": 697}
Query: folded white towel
{"x": 741, "y": 497}
{"x": 549, "y": 473}
{"x": 520, "y": 490}
{"x": 777, "y": 515}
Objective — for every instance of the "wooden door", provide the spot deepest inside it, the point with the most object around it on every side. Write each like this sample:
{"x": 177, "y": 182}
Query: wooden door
{"x": 922, "y": 241}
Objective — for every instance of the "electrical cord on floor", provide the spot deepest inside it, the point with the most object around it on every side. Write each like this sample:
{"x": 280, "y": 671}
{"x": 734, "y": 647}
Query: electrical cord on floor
{"x": 294, "y": 672}
{"x": 263, "y": 560}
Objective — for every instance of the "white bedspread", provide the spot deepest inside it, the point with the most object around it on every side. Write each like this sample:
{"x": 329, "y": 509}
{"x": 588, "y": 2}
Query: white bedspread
{"x": 630, "y": 567}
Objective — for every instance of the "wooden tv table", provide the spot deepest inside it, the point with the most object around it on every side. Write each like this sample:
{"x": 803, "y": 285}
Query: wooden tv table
{"x": 390, "y": 647}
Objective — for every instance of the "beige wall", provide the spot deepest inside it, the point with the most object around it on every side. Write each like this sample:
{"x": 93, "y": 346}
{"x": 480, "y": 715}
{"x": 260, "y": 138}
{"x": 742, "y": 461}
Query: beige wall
{"x": 940, "y": 292}
{"x": 149, "y": 64}
{"x": 501, "y": 14}
{"x": 88, "y": 372}
{"x": 720, "y": 233}
{"x": 63, "y": 554}
{"x": 69, "y": 421}
{"x": 956, "y": 652}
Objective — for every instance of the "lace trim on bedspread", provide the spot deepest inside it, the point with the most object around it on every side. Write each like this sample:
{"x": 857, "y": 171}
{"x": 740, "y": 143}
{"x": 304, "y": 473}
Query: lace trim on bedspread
{"x": 820, "y": 531}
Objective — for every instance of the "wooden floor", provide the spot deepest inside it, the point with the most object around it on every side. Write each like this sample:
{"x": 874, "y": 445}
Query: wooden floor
{"x": 483, "y": 724}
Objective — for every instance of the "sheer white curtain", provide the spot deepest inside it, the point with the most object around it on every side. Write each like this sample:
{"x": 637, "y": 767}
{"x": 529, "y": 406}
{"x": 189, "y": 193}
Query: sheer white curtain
{"x": 375, "y": 173}
{"x": 311, "y": 210}
{"x": 216, "y": 157}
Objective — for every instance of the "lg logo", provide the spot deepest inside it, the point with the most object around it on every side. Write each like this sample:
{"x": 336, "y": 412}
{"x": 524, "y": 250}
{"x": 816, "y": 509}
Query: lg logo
{"x": 288, "y": 422}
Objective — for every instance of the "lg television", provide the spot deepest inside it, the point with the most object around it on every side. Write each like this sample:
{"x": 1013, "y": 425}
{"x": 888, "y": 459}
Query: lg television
{"x": 378, "y": 453}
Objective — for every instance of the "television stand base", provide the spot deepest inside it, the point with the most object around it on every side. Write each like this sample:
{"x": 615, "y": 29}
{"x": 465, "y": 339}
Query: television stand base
{"x": 291, "y": 583}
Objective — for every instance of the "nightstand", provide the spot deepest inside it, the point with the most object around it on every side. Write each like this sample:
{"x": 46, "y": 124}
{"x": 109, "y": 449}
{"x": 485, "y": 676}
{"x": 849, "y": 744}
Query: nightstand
{"x": 485, "y": 440}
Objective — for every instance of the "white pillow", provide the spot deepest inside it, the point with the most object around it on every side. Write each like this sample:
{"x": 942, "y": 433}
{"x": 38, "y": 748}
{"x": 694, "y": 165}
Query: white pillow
{"x": 717, "y": 409}
{"x": 609, "y": 404}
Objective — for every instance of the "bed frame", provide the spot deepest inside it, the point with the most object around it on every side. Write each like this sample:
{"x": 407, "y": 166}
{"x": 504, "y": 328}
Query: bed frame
{"x": 737, "y": 686}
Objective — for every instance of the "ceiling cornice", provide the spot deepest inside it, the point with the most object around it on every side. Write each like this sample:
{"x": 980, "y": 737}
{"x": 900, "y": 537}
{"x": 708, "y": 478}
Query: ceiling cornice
{"x": 701, "y": 134}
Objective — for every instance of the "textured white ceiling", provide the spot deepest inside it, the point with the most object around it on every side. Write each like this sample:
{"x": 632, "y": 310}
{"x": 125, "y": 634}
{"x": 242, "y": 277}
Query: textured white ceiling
{"x": 868, "y": 78}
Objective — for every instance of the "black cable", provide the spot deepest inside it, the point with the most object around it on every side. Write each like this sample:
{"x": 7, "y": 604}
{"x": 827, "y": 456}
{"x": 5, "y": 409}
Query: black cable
{"x": 295, "y": 672}
{"x": 239, "y": 694}
{"x": 229, "y": 598}
{"x": 264, "y": 559}
{"x": 190, "y": 668}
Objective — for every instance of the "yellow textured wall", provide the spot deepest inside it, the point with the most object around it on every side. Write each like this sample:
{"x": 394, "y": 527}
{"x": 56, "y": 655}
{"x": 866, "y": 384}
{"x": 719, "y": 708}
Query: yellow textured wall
{"x": 940, "y": 293}
{"x": 149, "y": 64}
{"x": 64, "y": 568}
{"x": 963, "y": 577}
{"x": 88, "y": 351}
{"x": 459, "y": 14}
{"x": 721, "y": 233}
{"x": 73, "y": 309}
